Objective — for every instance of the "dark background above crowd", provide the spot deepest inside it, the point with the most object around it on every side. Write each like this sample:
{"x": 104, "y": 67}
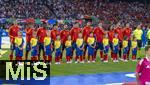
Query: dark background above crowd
{"x": 107, "y": 11}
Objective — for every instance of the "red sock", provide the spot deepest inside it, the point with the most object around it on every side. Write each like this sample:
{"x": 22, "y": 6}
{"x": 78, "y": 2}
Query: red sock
{"x": 45, "y": 58}
{"x": 115, "y": 57}
{"x": 93, "y": 58}
{"x": 133, "y": 57}
{"x": 11, "y": 57}
{"x": 56, "y": 59}
{"x": 17, "y": 58}
{"x": 76, "y": 58}
{"x": 20, "y": 58}
{"x": 32, "y": 58}
{"x": 125, "y": 56}
{"x": 67, "y": 58}
{"x": 105, "y": 57}
{"x": 101, "y": 55}
{"x": 61, "y": 56}
{"x": 50, "y": 58}
{"x": 81, "y": 58}
{"x": 111, "y": 54}
{"x": 35, "y": 58}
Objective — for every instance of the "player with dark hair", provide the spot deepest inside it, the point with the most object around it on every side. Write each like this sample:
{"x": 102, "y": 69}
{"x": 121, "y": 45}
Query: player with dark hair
{"x": 63, "y": 35}
{"x": 29, "y": 30}
{"x": 118, "y": 29}
{"x": 41, "y": 34}
{"x": 99, "y": 33}
{"x": 138, "y": 35}
{"x": 13, "y": 32}
{"x": 86, "y": 32}
{"x": 127, "y": 33}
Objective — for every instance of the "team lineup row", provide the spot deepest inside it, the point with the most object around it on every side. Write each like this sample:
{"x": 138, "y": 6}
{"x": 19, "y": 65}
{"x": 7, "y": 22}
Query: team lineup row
{"x": 85, "y": 42}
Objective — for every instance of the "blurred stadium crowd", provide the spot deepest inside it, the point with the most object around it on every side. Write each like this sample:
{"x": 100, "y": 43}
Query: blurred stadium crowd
{"x": 107, "y": 12}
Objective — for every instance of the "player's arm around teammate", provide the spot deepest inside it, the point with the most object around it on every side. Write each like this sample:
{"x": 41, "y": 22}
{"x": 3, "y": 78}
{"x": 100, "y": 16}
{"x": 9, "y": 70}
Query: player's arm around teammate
{"x": 13, "y": 32}
{"x": 41, "y": 33}
{"x": 29, "y": 31}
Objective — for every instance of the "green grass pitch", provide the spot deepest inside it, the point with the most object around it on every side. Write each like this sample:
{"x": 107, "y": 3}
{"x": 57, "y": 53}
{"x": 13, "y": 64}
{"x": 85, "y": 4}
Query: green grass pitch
{"x": 88, "y": 68}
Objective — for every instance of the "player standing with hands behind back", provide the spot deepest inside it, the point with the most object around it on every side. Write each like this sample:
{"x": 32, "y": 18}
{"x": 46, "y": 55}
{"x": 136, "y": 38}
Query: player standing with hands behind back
{"x": 138, "y": 35}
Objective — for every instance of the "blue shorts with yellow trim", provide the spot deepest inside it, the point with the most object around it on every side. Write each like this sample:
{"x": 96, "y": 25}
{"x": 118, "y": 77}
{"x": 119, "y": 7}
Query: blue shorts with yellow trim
{"x": 58, "y": 52}
{"x": 12, "y": 46}
{"x": 34, "y": 51}
{"x": 69, "y": 51}
{"x": 116, "y": 49}
{"x": 18, "y": 52}
{"x": 106, "y": 49}
{"x": 125, "y": 50}
{"x": 79, "y": 52}
{"x": 28, "y": 46}
{"x": 134, "y": 51}
{"x": 99, "y": 45}
{"x": 48, "y": 50}
{"x": 91, "y": 51}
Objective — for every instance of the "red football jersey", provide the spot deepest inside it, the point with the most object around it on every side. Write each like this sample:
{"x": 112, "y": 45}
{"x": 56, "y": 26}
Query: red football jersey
{"x": 54, "y": 34}
{"x": 86, "y": 32}
{"x": 41, "y": 33}
{"x": 74, "y": 33}
{"x": 119, "y": 31}
{"x": 64, "y": 34}
{"x": 111, "y": 34}
{"x": 127, "y": 32}
{"x": 99, "y": 33}
{"x": 29, "y": 32}
{"x": 13, "y": 32}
